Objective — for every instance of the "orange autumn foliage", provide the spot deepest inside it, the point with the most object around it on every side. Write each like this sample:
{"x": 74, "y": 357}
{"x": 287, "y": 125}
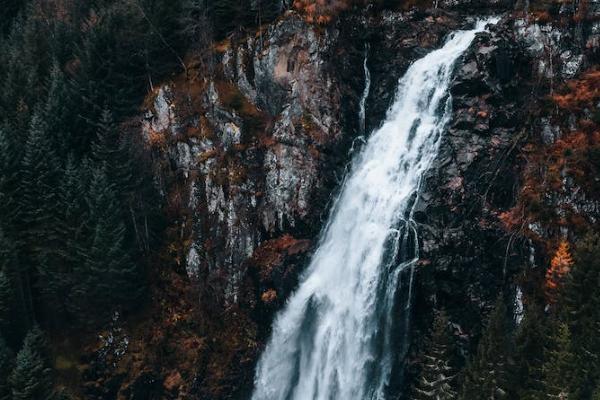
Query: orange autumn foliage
{"x": 320, "y": 12}
{"x": 560, "y": 266}
{"x": 580, "y": 92}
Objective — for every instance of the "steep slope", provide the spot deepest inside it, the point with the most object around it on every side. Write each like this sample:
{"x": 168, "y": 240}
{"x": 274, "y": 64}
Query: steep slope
{"x": 249, "y": 157}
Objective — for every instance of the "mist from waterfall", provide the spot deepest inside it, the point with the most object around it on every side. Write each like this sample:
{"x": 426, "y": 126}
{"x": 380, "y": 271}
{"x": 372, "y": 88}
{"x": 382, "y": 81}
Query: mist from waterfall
{"x": 336, "y": 336}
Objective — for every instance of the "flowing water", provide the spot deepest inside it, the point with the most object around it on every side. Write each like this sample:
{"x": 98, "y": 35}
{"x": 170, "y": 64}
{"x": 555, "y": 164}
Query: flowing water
{"x": 336, "y": 338}
{"x": 365, "y": 95}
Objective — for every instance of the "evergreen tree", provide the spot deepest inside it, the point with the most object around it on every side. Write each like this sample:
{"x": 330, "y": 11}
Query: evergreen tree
{"x": 487, "y": 374}
{"x": 435, "y": 381}
{"x": 9, "y": 161}
{"x": 36, "y": 339}
{"x": 59, "y": 110}
{"x": 14, "y": 294}
{"x": 530, "y": 342}
{"x": 59, "y": 280}
{"x": 10, "y": 9}
{"x": 581, "y": 310}
{"x": 7, "y": 299}
{"x": 31, "y": 379}
{"x": 6, "y": 366}
{"x": 111, "y": 151}
{"x": 109, "y": 278}
{"x": 125, "y": 171}
{"x": 560, "y": 380}
{"x": 39, "y": 179}
{"x": 226, "y": 16}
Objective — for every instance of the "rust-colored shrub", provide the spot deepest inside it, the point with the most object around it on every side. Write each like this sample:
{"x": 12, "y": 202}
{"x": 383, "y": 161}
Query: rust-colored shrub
{"x": 579, "y": 93}
{"x": 320, "y": 12}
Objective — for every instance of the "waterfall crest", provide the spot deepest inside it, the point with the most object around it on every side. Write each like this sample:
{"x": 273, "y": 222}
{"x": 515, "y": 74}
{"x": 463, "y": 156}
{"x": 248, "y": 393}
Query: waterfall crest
{"x": 333, "y": 339}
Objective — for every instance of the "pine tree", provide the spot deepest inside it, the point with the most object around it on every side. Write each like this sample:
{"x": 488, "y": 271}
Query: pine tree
{"x": 6, "y": 366}
{"x": 435, "y": 381}
{"x": 124, "y": 169}
{"x": 581, "y": 310}
{"x": 9, "y": 165}
{"x": 109, "y": 278}
{"x": 226, "y": 16}
{"x": 59, "y": 111}
{"x": 59, "y": 279}
{"x": 7, "y": 299}
{"x": 39, "y": 179}
{"x": 559, "y": 375}
{"x": 10, "y": 8}
{"x": 530, "y": 342}
{"x": 31, "y": 379}
{"x": 487, "y": 374}
{"x": 112, "y": 153}
{"x": 596, "y": 394}
{"x": 36, "y": 339}
{"x": 14, "y": 296}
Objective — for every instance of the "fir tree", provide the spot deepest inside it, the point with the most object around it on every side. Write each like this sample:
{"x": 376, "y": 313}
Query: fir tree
{"x": 7, "y": 298}
{"x": 487, "y": 374}
{"x": 6, "y": 366}
{"x": 437, "y": 375}
{"x": 15, "y": 295}
{"x": 39, "y": 179}
{"x": 59, "y": 110}
{"x": 58, "y": 280}
{"x": 36, "y": 339}
{"x": 112, "y": 153}
{"x": 559, "y": 375}
{"x": 31, "y": 378}
{"x": 581, "y": 310}
{"x": 530, "y": 341}
{"x": 9, "y": 164}
{"x": 109, "y": 276}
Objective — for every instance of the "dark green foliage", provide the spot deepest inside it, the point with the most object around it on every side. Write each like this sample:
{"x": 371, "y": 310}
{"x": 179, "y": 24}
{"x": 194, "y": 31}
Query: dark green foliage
{"x": 59, "y": 110}
{"x": 487, "y": 374}
{"x": 108, "y": 276}
{"x": 127, "y": 46}
{"x": 530, "y": 343}
{"x": 10, "y": 9}
{"x": 39, "y": 176}
{"x": 31, "y": 378}
{"x": 111, "y": 153}
{"x": 560, "y": 377}
{"x": 227, "y": 16}
{"x": 61, "y": 66}
{"x": 6, "y": 366}
{"x": 15, "y": 297}
{"x": 7, "y": 298}
{"x": 581, "y": 311}
{"x": 437, "y": 375}
{"x": 9, "y": 158}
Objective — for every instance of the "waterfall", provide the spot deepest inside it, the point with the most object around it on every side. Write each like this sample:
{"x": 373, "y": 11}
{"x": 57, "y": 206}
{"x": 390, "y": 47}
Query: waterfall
{"x": 365, "y": 95}
{"x": 333, "y": 339}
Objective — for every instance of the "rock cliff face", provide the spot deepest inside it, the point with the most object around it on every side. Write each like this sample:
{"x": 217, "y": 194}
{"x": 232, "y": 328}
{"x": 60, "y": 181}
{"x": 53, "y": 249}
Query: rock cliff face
{"x": 250, "y": 156}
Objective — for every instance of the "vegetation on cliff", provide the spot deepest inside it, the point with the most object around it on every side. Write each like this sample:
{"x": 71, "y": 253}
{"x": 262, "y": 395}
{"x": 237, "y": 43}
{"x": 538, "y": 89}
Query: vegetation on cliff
{"x": 84, "y": 243}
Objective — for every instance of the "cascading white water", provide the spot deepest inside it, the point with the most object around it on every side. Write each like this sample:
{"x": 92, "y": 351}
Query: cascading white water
{"x": 333, "y": 340}
{"x": 365, "y": 95}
